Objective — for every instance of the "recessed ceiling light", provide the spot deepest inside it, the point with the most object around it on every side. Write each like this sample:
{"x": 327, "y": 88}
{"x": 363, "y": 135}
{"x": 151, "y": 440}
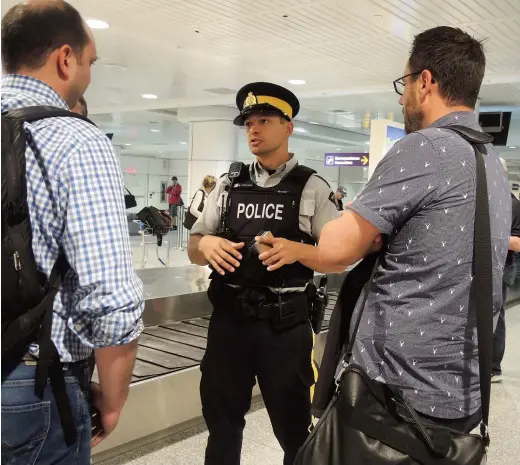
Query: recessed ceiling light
{"x": 183, "y": 143}
{"x": 512, "y": 147}
{"x": 313, "y": 122}
{"x": 149, "y": 96}
{"x": 155, "y": 130}
{"x": 297, "y": 82}
{"x": 128, "y": 145}
{"x": 367, "y": 142}
{"x": 339, "y": 150}
{"x": 97, "y": 24}
{"x": 300, "y": 129}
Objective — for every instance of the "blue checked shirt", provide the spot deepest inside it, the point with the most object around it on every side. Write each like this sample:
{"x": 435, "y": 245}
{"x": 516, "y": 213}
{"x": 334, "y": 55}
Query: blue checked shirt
{"x": 76, "y": 202}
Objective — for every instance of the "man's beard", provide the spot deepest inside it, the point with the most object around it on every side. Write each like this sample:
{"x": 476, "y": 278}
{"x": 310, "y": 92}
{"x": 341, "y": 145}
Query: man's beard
{"x": 413, "y": 119}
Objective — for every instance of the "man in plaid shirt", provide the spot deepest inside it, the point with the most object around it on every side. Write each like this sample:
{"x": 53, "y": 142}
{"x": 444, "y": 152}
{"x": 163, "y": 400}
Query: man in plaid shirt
{"x": 76, "y": 204}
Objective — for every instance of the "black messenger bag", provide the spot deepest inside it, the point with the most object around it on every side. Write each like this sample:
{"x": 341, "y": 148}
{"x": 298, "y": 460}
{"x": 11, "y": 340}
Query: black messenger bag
{"x": 189, "y": 218}
{"x": 367, "y": 423}
{"x": 130, "y": 201}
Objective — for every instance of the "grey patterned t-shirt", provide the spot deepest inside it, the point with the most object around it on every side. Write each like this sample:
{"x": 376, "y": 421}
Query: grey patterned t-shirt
{"x": 416, "y": 331}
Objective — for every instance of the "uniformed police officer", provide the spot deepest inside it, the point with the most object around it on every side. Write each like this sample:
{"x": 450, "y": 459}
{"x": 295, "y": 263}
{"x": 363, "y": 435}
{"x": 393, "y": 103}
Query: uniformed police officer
{"x": 260, "y": 323}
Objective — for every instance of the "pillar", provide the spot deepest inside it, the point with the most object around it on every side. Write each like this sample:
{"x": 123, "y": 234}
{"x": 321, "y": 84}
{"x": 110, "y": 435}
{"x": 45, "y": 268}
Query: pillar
{"x": 383, "y": 135}
{"x": 213, "y": 143}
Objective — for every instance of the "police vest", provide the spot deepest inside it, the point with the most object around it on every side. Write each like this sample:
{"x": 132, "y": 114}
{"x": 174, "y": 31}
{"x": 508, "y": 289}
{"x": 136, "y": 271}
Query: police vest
{"x": 253, "y": 209}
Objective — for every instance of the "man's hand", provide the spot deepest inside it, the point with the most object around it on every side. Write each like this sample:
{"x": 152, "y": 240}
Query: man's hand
{"x": 282, "y": 252}
{"x": 104, "y": 421}
{"x": 221, "y": 253}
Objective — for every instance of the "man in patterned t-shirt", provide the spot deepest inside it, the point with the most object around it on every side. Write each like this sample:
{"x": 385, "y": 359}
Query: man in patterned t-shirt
{"x": 418, "y": 329}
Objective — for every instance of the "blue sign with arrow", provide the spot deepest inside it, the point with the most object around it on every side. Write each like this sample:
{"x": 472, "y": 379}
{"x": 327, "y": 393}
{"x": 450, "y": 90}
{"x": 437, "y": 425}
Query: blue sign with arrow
{"x": 346, "y": 159}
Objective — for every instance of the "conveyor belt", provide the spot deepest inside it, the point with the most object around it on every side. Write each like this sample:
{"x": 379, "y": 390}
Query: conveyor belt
{"x": 179, "y": 345}
{"x": 188, "y": 328}
{"x": 177, "y": 336}
{"x": 172, "y": 347}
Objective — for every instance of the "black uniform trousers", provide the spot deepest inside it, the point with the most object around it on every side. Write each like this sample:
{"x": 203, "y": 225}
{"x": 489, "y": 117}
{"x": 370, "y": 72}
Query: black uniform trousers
{"x": 238, "y": 350}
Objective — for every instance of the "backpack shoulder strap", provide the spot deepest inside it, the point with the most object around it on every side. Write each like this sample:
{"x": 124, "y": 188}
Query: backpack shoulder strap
{"x": 36, "y": 113}
{"x": 14, "y": 187}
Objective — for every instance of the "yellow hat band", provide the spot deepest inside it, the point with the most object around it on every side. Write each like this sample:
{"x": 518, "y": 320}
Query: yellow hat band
{"x": 283, "y": 106}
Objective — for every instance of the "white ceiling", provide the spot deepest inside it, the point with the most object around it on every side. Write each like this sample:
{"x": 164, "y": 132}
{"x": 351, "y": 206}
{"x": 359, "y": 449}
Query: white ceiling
{"x": 348, "y": 52}
{"x": 341, "y": 48}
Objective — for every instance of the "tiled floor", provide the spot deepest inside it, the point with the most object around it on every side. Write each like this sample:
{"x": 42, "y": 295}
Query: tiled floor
{"x": 261, "y": 447}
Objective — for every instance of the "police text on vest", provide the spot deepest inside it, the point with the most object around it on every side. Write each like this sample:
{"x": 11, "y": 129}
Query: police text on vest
{"x": 268, "y": 211}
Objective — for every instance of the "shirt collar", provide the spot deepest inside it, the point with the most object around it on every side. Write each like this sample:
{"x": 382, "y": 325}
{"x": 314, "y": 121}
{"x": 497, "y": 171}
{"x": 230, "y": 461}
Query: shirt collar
{"x": 258, "y": 170}
{"x": 26, "y": 87}
{"x": 464, "y": 118}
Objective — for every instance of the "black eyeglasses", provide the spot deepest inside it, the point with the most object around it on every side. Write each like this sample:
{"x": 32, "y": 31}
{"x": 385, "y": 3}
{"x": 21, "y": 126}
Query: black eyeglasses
{"x": 399, "y": 83}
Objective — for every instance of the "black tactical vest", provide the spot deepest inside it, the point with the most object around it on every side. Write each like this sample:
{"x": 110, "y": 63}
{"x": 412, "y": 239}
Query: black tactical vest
{"x": 252, "y": 209}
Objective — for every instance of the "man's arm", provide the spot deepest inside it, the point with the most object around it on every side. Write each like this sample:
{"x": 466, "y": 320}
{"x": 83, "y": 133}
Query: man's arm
{"x": 109, "y": 300}
{"x": 285, "y": 252}
{"x": 334, "y": 249}
{"x": 400, "y": 185}
{"x": 319, "y": 204}
{"x": 514, "y": 243}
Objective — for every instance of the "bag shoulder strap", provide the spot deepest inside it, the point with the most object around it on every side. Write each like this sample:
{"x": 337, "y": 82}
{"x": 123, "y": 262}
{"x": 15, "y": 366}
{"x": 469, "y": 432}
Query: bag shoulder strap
{"x": 481, "y": 292}
{"x": 482, "y": 286}
{"x": 204, "y": 195}
{"x": 13, "y": 158}
{"x": 36, "y": 113}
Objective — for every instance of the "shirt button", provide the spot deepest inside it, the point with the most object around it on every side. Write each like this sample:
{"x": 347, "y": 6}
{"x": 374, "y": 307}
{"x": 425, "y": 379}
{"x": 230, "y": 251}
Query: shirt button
{"x": 78, "y": 327}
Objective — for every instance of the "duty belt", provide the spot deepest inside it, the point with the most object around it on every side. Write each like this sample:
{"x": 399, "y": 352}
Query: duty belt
{"x": 262, "y": 303}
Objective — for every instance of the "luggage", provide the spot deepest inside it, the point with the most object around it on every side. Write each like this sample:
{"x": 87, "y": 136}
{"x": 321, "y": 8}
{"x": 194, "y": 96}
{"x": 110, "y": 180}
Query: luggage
{"x": 190, "y": 218}
{"x": 130, "y": 201}
{"x": 158, "y": 221}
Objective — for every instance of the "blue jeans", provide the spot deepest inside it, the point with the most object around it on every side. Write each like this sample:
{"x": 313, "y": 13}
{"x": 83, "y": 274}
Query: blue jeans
{"x": 31, "y": 427}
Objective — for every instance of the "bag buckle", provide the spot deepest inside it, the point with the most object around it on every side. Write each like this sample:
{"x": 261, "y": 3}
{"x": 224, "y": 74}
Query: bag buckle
{"x": 337, "y": 379}
{"x": 484, "y": 431}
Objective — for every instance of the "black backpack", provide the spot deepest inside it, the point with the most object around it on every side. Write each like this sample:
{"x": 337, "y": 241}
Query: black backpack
{"x": 27, "y": 294}
{"x": 158, "y": 221}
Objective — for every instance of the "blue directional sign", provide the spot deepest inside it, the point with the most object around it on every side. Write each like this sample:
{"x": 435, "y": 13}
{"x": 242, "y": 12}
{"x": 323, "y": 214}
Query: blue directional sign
{"x": 346, "y": 159}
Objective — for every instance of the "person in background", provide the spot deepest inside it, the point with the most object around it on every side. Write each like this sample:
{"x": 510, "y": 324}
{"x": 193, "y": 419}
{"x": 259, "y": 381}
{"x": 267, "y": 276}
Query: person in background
{"x": 81, "y": 107}
{"x": 341, "y": 193}
{"x": 499, "y": 339}
{"x": 174, "y": 191}
{"x": 197, "y": 204}
{"x": 417, "y": 332}
{"x": 72, "y": 175}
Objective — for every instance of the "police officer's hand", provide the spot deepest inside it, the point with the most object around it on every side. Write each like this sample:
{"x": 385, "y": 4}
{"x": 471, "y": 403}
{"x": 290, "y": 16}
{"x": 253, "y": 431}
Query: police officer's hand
{"x": 221, "y": 253}
{"x": 282, "y": 252}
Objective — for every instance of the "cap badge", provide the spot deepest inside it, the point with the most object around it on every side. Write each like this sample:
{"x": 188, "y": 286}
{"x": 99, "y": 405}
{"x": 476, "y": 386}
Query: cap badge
{"x": 250, "y": 100}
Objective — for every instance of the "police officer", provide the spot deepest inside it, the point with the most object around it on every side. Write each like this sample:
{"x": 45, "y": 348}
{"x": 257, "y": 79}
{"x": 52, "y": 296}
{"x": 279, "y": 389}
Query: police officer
{"x": 341, "y": 193}
{"x": 260, "y": 323}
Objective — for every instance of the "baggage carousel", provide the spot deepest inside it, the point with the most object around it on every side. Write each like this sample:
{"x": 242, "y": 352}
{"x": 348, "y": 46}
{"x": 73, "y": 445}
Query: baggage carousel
{"x": 164, "y": 394}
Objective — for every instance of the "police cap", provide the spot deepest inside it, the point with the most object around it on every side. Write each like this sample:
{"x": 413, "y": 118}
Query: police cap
{"x": 264, "y": 97}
